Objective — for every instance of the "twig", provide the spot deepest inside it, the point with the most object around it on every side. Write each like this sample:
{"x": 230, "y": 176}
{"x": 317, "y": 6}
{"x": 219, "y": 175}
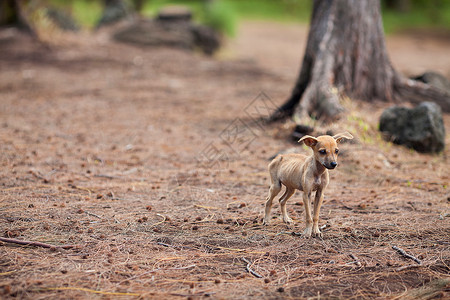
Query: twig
{"x": 249, "y": 269}
{"x": 402, "y": 252}
{"x": 36, "y": 244}
{"x": 199, "y": 294}
{"x": 160, "y": 222}
{"x": 92, "y": 214}
{"x": 205, "y": 207}
{"x": 173, "y": 246}
{"x": 345, "y": 206}
{"x": 91, "y": 291}
{"x": 38, "y": 175}
{"x": 106, "y": 176}
{"x": 357, "y": 262}
{"x": 406, "y": 267}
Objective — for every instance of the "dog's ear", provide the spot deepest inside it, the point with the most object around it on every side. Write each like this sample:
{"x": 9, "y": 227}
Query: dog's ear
{"x": 308, "y": 140}
{"x": 345, "y": 135}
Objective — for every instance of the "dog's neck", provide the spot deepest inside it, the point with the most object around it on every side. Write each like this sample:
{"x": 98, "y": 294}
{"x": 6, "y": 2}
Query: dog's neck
{"x": 319, "y": 168}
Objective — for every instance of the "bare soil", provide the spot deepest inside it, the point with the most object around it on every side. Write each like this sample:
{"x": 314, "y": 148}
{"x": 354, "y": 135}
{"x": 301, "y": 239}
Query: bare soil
{"x": 153, "y": 163}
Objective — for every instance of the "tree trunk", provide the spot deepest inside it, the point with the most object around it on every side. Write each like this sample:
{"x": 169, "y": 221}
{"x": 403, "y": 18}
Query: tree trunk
{"x": 114, "y": 11}
{"x": 11, "y": 13}
{"x": 346, "y": 55}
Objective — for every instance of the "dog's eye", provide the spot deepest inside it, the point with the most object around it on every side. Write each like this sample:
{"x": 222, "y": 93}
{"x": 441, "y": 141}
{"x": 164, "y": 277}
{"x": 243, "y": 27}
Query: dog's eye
{"x": 323, "y": 151}
{"x": 336, "y": 151}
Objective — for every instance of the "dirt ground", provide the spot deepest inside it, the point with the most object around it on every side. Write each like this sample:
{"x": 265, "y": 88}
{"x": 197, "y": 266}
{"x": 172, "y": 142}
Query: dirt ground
{"x": 153, "y": 164}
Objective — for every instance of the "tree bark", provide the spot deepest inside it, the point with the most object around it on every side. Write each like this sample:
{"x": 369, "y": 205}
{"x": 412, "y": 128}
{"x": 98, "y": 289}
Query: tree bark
{"x": 114, "y": 11}
{"x": 346, "y": 56}
{"x": 12, "y": 13}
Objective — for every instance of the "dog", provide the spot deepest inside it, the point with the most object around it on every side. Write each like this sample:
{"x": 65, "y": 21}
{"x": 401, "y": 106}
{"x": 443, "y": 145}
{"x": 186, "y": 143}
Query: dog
{"x": 305, "y": 173}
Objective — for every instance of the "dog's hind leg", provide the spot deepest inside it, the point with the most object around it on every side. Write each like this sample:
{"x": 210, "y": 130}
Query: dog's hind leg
{"x": 289, "y": 192}
{"x": 275, "y": 189}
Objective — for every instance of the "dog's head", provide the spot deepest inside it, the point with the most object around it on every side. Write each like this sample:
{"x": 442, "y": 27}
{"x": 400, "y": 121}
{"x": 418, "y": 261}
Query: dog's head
{"x": 325, "y": 147}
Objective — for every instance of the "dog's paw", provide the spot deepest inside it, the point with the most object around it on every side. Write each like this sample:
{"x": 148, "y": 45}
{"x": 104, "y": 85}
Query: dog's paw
{"x": 317, "y": 233}
{"x": 307, "y": 232}
{"x": 265, "y": 222}
{"x": 287, "y": 220}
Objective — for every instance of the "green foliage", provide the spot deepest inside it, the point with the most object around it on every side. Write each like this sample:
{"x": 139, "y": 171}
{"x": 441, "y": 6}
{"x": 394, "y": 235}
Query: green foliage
{"x": 87, "y": 12}
{"x": 219, "y": 15}
{"x": 418, "y": 14}
{"x": 278, "y": 10}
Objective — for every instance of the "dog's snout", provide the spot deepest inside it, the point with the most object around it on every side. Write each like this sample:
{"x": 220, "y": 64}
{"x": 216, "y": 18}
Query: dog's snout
{"x": 333, "y": 164}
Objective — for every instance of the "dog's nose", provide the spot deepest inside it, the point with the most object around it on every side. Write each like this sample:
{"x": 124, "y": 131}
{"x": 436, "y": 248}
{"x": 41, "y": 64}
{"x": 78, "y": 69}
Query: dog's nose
{"x": 333, "y": 164}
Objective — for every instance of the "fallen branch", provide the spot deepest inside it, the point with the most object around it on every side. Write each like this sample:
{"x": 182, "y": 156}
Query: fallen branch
{"x": 249, "y": 269}
{"x": 404, "y": 254}
{"x": 36, "y": 244}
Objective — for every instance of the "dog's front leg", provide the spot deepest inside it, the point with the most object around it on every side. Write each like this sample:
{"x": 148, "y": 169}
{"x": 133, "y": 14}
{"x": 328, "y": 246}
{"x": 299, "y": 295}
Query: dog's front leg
{"x": 317, "y": 204}
{"x": 308, "y": 218}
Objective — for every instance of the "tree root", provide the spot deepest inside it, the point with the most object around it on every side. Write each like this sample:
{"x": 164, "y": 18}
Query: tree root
{"x": 416, "y": 92}
{"x": 36, "y": 244}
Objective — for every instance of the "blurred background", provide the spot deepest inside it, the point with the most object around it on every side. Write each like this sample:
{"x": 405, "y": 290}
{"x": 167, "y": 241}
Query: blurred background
{"x": 223, "y": 15}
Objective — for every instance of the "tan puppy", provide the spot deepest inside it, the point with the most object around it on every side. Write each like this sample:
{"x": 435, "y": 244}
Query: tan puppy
{"x": 305, "y": 173}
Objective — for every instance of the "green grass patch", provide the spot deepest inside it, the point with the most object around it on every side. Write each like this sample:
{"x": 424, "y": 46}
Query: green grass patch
{"x": 393, "y": 21}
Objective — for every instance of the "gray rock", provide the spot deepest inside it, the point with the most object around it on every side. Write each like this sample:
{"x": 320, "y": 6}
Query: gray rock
{"x": 420, "y": 128}
{"x": 166, "y": 33}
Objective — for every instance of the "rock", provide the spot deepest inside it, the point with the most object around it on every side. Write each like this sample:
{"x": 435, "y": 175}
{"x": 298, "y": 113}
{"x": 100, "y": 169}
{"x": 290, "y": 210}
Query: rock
{"x": 155, "y": 33}
{"x": 420, "y": 128}
{"x": 434, "y": 79}
{"x": 175, "y": 13}
{"x": 166, "y": 33}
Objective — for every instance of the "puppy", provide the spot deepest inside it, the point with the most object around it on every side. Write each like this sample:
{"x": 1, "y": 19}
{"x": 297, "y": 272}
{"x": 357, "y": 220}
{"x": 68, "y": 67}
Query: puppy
{"x": 305, "y": 173}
